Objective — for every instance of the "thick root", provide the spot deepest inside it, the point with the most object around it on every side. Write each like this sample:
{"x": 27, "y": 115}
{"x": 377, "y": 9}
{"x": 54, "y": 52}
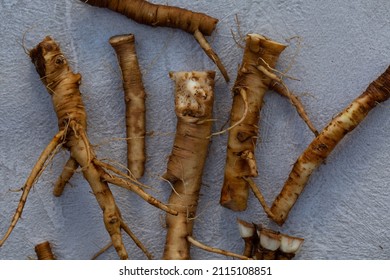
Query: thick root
{"x": 240, "y": 160}
{"x": 193, "y": 105}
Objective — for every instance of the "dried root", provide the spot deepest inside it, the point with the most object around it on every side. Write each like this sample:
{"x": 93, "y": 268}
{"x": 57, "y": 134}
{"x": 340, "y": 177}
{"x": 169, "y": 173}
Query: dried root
{"x": 319, "y": 149}
{"x": 63, "y": 86}
{"x": 44, "y": 252}
{"x": 249, "y": 90}
{"x": 193, "y": 105}
{"x": 135, "y": 102}
{"x": 141, "y": 11}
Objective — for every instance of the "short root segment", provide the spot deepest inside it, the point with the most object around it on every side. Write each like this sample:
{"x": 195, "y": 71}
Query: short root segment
{"x": 44, "y": 252}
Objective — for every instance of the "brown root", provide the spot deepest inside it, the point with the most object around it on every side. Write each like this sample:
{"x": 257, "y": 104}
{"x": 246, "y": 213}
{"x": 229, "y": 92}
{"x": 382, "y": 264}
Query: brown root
{"x": 240, "y": 161}
{"x": 54, "y": 143}
{"x": 296, "y": 102}
{"x": 63, "y": 86}
{"x": 194, "y": 99}
{"x": 141, "y": 11}
{"x": 210, "y": 53}
{"x": 44, "y": 252}
{"x": 124, "y": 46}
{"x": 69, "y": 169}
{"x": 216, "y": 250}
{"x": 319, "y": 149}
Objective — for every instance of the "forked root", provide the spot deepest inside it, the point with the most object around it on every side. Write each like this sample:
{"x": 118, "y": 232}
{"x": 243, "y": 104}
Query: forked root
{"x": 63, "y": 86}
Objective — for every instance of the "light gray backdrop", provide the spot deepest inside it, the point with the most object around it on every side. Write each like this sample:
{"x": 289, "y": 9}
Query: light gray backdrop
{"x": 339, "y": 48}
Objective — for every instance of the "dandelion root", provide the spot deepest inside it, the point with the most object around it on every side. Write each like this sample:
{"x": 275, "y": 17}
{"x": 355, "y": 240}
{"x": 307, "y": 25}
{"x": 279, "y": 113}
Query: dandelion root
{"x": 141, "y": 11}
{"x": 319, "y": 149}
{"x": 249, "y": 89}
{"x": 193, "y": 105}
{"x": 63, "y": 86}
{"x": 135, "y": 102}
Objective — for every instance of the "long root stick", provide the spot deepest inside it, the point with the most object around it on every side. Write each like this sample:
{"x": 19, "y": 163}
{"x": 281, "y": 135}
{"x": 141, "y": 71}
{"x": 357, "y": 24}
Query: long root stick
{"x": 193, "y": 105}
{"x": 63, "y": 86}
{"x": 141, "y": 11}
{"x": 135, "y": 102}
{"x": 57, "y": 140}
{"x": 240, "y": 160}
{"x": 216, "y": 250}
{"x": 319, "y": 149}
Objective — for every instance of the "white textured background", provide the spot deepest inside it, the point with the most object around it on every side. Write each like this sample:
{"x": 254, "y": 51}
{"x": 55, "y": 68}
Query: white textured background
{"x": 343, "y": 212}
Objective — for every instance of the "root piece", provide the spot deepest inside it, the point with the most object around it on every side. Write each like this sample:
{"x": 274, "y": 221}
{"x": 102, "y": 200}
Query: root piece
{"x": 249, "y": 235}
{"x": 216, "y": 250}
{"x": 67, "y": 173}
{"x": 210, "y": 53}
{"x": 43, "y": 251}
{"x": 141, "y": 11}
{"x": 319, "y": 149}
{"x": 242, "y": 138}
{"x": 135, "y": 102}
{"x": 134, "y": 188}
{"x": 266, "y": 244}
{"x": 296, "y": 102}
{"x": 35, "y": 172}
{"x": 63, "y": 86}
{"x": 193, "y": 105}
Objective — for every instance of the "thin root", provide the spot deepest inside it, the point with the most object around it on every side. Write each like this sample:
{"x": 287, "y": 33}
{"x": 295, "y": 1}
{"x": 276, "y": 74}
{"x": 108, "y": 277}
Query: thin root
{"x": 210, "y": 53}
{"x": 246, "y": 108}
{"x": 101, "y": 251}
{"x": 215, "y": 250}
{"x": 283, "y": 90}
{"x": 134, "y": 188}
{"x": 259, "y": 196}
{"x": 36, "y": 171}
{"x": 136, "y": 240}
